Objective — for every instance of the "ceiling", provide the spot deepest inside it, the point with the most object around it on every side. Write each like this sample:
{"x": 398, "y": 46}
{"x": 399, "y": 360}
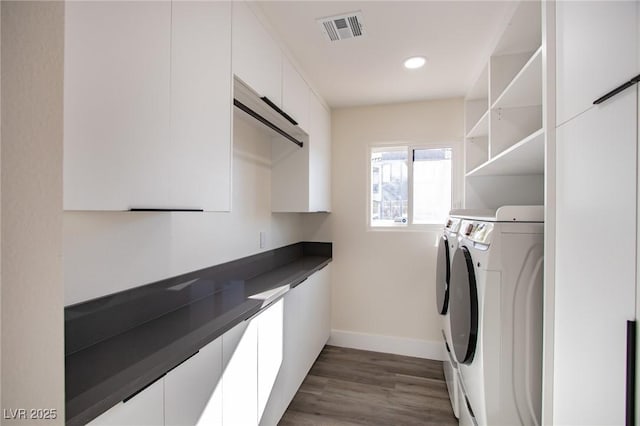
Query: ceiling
{"x": 454, "y": 36}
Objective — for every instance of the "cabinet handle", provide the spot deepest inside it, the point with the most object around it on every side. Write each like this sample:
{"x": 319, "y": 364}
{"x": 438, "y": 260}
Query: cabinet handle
{"x": 630, "y": 408}
{"x": 297, "y": 284}
{"x": 183, "y": 361}
{"x": 266, "y": 122}
{"x": 143, "y": 388}
{"x": 152, "y": 382}
{"x": 279, "y": 111}
{"x": 617, "y": 90}
{"x": 142, "y": 209}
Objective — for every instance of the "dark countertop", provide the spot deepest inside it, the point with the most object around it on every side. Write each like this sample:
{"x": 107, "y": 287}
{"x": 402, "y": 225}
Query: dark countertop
{"x": 142, "y": 345}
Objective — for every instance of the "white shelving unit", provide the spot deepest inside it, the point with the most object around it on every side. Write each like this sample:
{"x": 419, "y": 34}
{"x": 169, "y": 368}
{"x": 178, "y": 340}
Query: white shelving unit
{"x": 526, "y": 87}
{"x": 524, "y": 158}
{"x": 503, "y": 117}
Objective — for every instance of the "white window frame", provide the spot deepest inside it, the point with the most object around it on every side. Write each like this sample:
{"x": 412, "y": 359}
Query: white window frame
{"x": 456, "y": 183}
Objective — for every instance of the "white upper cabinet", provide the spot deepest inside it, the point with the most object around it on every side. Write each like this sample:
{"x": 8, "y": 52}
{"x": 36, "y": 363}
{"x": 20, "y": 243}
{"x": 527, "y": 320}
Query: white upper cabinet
{"x": 200, "y": 159}
{"x": 295, "y": 95}
{"x": 257, "y": 59}
{"x": 147, "y": 97}
{"x": 117, "y": 104}
{"x": 589, "y": 64}
{"x": 319, "y": 157}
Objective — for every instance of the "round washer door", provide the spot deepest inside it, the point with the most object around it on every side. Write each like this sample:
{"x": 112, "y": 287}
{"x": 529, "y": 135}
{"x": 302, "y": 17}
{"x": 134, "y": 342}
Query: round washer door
{"x": 443, "y": 272}
{"x": 463, "y": 306}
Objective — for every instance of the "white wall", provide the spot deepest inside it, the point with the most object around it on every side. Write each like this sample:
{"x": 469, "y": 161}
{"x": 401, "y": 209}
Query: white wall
{"x": 384, "y": 281}
{"x": 105, "y": 252}
{"x": 32, "y": 288}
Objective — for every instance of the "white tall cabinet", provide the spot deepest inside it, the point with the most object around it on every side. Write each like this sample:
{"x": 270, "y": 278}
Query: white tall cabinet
{"x": 147, "y": 100}
{"x": 596, "y": 154}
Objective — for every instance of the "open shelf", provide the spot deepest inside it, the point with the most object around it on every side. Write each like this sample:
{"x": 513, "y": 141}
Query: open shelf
{"x": 526, "y": 87}
{"x": 481, "y": 128}
{"x": 524, "y": 158}
{"x": 524, "y": 30}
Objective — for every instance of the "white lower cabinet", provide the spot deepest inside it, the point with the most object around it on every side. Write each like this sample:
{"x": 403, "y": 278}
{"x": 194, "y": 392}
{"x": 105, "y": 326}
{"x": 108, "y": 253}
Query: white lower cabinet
{"x": 144, "y": 409}
{"x": 306, "y": 328}
{"x": 246, "y": 377}
{"x": 193, "y": 390}
{"x": 240, "y": 377}
{"x": 270, "y": 353}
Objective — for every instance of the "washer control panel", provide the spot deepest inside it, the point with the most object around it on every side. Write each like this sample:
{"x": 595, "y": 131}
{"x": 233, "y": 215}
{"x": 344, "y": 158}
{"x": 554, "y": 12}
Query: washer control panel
{"x": 478, "y": 232}
{"x": 453, "y": 225}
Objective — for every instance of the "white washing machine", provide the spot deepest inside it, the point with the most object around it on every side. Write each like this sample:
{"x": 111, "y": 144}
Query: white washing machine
{"x": 495, "y": 315}
{"x": 446, "y": 247}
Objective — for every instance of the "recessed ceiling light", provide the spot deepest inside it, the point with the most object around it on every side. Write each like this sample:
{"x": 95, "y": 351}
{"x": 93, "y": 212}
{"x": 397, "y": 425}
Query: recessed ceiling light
{"x": 415, "y": 62}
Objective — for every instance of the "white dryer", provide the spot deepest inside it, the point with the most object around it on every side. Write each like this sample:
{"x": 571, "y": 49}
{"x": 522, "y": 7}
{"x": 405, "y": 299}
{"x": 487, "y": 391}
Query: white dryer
{"x": 495, "y": 314}
{"x": 446, "y": 247}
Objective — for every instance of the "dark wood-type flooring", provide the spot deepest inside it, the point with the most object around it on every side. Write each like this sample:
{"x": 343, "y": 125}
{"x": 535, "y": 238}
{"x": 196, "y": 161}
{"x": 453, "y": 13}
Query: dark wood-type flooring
{"x": 353, "y": 387}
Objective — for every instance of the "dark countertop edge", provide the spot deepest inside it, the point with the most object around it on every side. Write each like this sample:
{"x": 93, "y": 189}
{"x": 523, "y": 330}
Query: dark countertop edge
{"x": 168, "y": 358}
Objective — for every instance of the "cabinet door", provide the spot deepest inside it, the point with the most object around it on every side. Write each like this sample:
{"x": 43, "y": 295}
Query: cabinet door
{"x": 596, "y": 51}
{"x": 315, "y": 302}
{"x": 193, "y": 390}
{"x": 319, "y": 157}
{"x": 116, "y": 101}
{"x": 144, "y": 409}
{"x": 295, "y": 95}
{"x": 270, "y": 351}
{"x": 595, "y": 261}
{"x": 321, "y": 310}
{"x": 257, "y": 59}
{"x": 293, "y": 342}
{"x": 306, "y": 326}
{"x": 240, "y": 377}
{"x": 200, "y": 160}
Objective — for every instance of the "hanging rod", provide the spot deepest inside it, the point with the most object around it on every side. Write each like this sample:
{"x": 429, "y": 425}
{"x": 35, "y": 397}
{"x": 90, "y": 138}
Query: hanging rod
{"x": 617, "y": 90}
{"x": 266, "y": 122}
{"x": 279, "y": 111}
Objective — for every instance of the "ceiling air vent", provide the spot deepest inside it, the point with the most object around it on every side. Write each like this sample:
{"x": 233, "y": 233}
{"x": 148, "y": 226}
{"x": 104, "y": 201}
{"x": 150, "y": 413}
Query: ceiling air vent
{"x": 341, "y": 27}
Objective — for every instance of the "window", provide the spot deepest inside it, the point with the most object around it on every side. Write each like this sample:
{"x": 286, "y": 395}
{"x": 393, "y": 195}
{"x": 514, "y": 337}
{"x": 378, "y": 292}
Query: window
{"x": 410, "y": 186}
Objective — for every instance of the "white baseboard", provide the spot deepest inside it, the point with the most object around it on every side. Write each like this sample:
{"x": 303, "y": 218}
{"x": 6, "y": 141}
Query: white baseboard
{"x": 388, "y": 344}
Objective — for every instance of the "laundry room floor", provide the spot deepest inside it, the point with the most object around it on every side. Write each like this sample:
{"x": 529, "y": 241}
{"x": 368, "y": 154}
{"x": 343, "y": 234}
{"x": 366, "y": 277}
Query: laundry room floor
{"x": 354, "y": 387}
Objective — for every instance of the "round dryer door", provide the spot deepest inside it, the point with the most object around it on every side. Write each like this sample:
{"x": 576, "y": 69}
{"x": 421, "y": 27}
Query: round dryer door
{"x": 463, "y": 306}
{"x": 443, "y": 272}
